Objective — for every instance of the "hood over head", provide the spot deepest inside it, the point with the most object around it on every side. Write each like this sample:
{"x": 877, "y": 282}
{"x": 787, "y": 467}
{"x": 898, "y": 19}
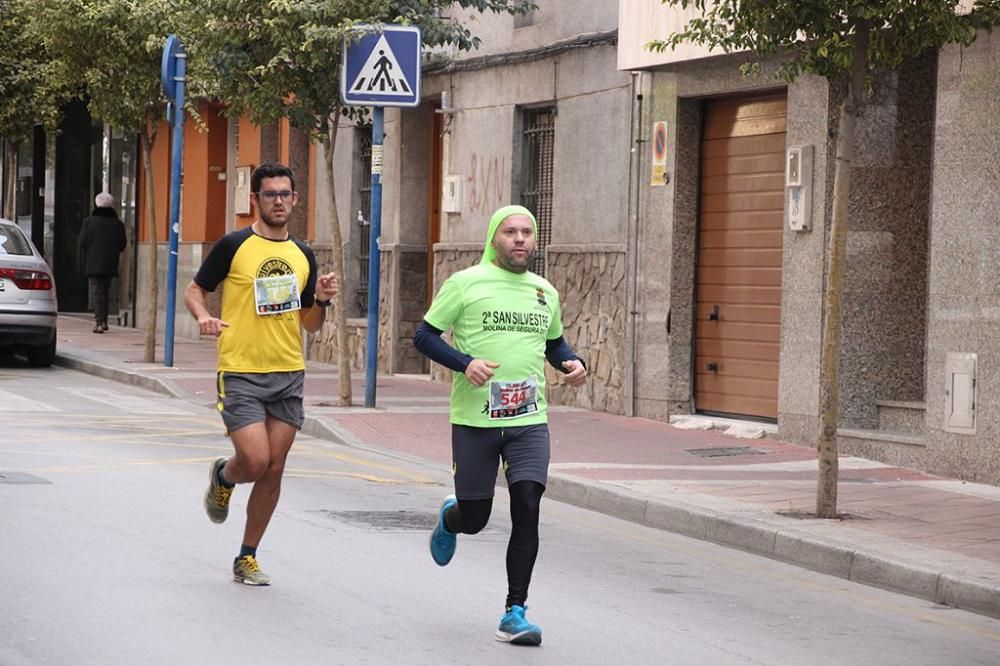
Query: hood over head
{"x": 489, "y": 254}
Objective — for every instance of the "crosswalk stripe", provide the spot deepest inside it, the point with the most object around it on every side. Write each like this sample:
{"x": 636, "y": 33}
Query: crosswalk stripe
{"x": 125, "y": 402}
{"x": 14, "y": 403}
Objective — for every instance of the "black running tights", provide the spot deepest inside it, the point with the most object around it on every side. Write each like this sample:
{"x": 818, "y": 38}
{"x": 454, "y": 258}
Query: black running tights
{"x": 471, "y": 516}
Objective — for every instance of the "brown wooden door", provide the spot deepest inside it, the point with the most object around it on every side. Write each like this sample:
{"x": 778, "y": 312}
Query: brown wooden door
{"x": 738, "y": 295}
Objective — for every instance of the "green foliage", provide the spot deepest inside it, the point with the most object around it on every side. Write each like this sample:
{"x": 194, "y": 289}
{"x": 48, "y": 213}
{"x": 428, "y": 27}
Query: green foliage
{"x": 281, "y": 58}
{"x": 818, "y": 36}
{"x": 29, "y": 92}
{"x": 108, "y": 52}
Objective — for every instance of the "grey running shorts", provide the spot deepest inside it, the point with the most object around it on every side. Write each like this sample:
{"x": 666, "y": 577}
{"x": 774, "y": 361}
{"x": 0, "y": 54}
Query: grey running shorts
{"x": 248, "y": 397}
{"x": 477, "y": 452}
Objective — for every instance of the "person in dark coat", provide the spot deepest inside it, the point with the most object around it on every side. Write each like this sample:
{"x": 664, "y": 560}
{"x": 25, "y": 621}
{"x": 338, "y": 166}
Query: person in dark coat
{"x": 102, "y": 240}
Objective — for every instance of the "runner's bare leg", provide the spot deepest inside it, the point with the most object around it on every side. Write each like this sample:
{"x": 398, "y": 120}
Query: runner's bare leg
{"x": 267, "y": 488}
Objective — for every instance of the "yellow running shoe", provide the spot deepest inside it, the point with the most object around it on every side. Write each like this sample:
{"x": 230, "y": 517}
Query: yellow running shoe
{"x": 217, "y": 496}
{"x": 247, "y": 571}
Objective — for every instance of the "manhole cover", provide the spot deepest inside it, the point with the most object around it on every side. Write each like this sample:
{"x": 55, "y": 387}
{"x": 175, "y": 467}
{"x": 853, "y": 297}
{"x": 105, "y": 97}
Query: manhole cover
{"x": 385, "y": 520}
{"x": 21, "y": 478}
{"x": 723, "y": 451}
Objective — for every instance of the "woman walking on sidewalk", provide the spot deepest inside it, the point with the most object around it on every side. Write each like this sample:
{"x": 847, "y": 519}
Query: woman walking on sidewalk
{"x": 506, "y": 322}
{"x": 271, "y": 289}
{"x": 102, "y": 239}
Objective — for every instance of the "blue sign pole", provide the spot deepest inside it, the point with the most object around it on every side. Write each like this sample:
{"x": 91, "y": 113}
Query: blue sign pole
{"x": 176, "y": 72}
{"x": 374, "y": 255}
{"x": 380, "y": 68}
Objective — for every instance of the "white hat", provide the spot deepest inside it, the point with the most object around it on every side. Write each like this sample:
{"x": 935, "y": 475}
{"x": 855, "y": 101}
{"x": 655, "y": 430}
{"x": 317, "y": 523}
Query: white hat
{"x": 104, "y": 200}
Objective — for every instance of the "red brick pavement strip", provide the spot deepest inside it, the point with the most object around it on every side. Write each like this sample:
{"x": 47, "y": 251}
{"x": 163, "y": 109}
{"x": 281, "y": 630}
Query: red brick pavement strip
{"x": 746, "y": 474}
{"x": 722, "y": 499}
{"x": 424, "y": 435}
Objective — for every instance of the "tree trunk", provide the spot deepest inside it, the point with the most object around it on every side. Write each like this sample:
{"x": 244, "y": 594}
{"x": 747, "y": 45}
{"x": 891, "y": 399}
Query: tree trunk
{"x": 9, "y": 181}
{"x": 826, "y": 487}
{"x": 337, "y": 249}
{"x": 149, "y": 354}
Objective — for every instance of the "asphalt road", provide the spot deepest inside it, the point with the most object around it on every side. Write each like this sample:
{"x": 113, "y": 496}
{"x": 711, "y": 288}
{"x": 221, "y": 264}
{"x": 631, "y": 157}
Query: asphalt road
{"x": 106, "y": 557}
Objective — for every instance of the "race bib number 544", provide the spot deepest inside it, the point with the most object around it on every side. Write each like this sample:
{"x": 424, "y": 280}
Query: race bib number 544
{"x": 512, "y": 399}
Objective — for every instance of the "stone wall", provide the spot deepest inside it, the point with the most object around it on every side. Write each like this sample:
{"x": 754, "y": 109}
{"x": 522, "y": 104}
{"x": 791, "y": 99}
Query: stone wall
{"x": 884, "y": 313}
{"x": 964, "y": 302}
{"x": 591, "y": 285}
{"x": 409, "y": 306}
{"x": 322, "y": 345}
{"x": 189, "y": 258}
{"x": 450, "y": 258}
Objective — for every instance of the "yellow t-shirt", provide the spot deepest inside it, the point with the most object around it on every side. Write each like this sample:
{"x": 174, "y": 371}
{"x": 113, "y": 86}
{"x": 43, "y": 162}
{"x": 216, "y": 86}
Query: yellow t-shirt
{"x": 264, "y": 285}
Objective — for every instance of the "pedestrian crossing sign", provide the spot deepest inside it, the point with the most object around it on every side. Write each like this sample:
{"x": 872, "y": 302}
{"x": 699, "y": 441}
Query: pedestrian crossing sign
{"x": 382, "y": 67}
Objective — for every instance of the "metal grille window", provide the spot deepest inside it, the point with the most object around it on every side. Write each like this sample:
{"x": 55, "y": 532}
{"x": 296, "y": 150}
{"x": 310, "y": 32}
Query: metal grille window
{"x": 537, "y": 148}
{"x": 364, "y": 216}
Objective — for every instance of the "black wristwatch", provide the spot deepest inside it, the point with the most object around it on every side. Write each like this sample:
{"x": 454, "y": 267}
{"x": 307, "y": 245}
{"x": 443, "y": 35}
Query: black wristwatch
{"x": 323, "y": 304}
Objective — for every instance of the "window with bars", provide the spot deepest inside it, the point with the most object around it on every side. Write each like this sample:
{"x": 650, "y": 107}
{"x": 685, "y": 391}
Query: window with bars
{"x": 538, "y": 139}
{"x": 364, "y": 215}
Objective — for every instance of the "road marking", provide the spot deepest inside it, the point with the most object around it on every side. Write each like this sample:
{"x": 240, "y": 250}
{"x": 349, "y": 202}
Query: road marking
{"x": 125, "y": 438}
{"x": 115, "y": 464}
{"x": 15, "y": 403}
{"x": 316, "y": 474}
{"x": 109, "y": 419}
{"x": 320, "y": 453}
{"x": 126, "y": 402}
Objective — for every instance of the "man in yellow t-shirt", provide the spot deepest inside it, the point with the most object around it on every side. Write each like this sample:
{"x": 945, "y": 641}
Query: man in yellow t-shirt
{"x": 271, "y": 289}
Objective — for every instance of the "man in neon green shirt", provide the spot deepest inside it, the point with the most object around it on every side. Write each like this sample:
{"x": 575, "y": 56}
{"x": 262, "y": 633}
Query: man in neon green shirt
{"x": 506, "y": 321}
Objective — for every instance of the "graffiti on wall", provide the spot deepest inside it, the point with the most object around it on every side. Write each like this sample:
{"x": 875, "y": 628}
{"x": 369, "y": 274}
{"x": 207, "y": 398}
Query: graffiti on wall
{"x": 485, "y": 183}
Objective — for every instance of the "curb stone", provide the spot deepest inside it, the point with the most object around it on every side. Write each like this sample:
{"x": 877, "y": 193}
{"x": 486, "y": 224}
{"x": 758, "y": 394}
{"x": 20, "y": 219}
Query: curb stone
{"x": 116, "y": 375}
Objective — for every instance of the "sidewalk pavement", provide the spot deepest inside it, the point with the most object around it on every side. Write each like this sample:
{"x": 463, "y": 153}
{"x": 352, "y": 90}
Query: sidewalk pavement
{"x": 926, "y": 536}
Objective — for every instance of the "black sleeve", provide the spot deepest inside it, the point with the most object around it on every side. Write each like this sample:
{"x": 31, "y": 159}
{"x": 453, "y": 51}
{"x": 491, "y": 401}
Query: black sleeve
{"x": 308, "y": 296}
{"x": 428, "y": 342}
{"x": 123, "y": 238}
{"x": 216, "y": 266}
{"x": 557, "y": 351}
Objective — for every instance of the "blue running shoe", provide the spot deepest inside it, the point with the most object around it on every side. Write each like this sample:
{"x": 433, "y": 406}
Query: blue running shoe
{"x": 443, "y": 542}
{"x": 515, "y": 628}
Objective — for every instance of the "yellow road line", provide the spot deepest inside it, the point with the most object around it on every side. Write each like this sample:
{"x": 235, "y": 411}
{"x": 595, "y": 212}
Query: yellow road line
{"x": 315, "y": 474}
{"x": 200, "y": 460}
{"x": 48, "y": 416}
{"x": 343, "y": 457}
{"x": 87, "y": 438}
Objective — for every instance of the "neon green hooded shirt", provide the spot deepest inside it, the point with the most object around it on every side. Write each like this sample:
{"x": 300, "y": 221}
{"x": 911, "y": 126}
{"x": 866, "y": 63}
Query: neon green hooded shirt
{"x": 504, "y": 317}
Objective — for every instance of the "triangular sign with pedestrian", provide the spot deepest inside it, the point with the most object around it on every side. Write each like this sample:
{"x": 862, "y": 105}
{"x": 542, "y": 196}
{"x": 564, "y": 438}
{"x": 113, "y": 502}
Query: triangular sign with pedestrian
{"x": 381, "y": 74}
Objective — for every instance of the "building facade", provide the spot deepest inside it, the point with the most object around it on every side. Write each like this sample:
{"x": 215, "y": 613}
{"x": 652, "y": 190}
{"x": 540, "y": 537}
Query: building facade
{"x": 56, "y": 176}
{"x": 538, "y": 115}
{"x": 731, "y": 282}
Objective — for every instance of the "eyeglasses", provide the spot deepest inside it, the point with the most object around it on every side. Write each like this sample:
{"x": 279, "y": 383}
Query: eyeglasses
{"x": 271, "y": 195}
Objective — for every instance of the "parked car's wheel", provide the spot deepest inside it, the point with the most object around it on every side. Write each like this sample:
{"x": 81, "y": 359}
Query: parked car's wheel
{"x": 42, "y": 357}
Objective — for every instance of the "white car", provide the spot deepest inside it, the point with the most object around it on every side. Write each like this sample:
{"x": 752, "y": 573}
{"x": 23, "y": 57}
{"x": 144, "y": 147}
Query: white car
{"x": 28, "y": 304}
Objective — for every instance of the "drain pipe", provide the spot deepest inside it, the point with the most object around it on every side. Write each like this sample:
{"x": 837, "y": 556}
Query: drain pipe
{"x": 632, "y": 247}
